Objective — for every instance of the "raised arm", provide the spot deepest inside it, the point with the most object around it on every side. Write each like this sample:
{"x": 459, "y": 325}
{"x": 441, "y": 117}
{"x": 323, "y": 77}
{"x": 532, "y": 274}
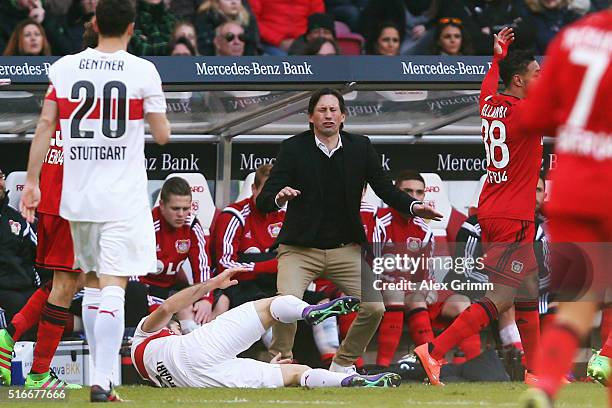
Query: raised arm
{"x": 500, "y": 49}
{"x": 186, "y": 297}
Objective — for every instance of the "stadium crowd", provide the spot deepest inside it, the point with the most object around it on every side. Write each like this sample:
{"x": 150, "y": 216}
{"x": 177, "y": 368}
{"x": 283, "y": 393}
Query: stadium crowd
{"x": 304, "y": 27}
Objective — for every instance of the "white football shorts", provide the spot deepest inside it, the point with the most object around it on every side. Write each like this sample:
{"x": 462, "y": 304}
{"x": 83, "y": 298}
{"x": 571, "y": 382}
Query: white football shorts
{"x": 117, "y": 248}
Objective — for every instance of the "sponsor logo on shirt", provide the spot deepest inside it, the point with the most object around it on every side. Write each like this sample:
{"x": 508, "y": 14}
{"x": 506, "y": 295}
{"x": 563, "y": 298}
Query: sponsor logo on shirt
{"x": 274, "y": 229}
{"x": 413, "y": 244}
{"x": 517, "y": 266}
{"x": 182, "y": 245}
{"x": 15, "y": 227}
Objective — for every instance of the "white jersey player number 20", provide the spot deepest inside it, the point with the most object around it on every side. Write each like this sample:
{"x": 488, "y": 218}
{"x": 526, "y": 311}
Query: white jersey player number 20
{"x": 113, "y": 98}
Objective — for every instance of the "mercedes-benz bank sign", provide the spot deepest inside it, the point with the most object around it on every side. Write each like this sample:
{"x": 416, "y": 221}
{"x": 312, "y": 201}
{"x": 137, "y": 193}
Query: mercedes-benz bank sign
{"x": 254, "y": 68}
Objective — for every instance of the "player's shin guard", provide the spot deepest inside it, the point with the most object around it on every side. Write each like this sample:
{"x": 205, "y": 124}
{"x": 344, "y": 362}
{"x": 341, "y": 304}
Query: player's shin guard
{"x": 318, "y": 377}
{"x": 287, "y": 309}
{"x": 555, "y": 358}
{"x": 470, "y": 322}
{"x": 30, "y": 314}
{"x": 325, "y": 336}
{"x": 89, "y": 312}
{"x": 50, "y": 330}
{"x": 528, "y": 322}
{"x": 389, "y": 334}
{"x": 108, "y": 332}
{"x": 419, "y": 326}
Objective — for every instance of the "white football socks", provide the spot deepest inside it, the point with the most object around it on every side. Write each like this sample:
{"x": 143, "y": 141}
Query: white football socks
{"x": 326, "y": 336}
{"x": 287, "y": 309}
{"x": 108, "y": 332}
{"x": 319, "y": 377}
{"x": 89, "y": 311}
{"x": 510, "y": 335}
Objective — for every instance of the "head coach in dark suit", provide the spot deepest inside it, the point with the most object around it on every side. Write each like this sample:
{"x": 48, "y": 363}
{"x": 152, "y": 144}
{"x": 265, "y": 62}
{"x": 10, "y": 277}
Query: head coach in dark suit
{"x": 321, "y": 174}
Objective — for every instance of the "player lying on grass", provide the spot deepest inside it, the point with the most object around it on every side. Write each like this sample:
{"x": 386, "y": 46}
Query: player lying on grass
{"x": 207, "y": 358}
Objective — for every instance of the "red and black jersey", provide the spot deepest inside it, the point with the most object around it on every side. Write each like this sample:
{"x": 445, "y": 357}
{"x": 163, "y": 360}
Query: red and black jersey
{"x": 52, "y": 170}
{"x": 400, "y": 234}
{"x": 242, "y": 229}
{"x": 571, "y": 101}
{"x": 174, "y": 247}
{"x": 368, "y": 219}
{"x": 513, "y": 158}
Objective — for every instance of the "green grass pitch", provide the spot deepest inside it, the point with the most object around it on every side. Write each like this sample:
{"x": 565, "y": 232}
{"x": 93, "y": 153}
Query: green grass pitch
{"x": 466, "y": 395}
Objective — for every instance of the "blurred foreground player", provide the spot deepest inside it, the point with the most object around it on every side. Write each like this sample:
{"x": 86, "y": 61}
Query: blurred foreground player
{"x": 206, "y": 357}
{"x": 103, "y": 96}
{"x": 578, "y": 113}
{"x": 505, "y": 210}
{"x": 48, "y": 306}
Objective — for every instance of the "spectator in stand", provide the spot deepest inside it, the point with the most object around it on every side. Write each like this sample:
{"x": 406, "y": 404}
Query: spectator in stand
{"x": 181, "y": 47}
{"x": 482, "y": 19}
{"x": 450, "y": 38}
{"x": 547, "y": 17}
{"x": 14, "y": 11}
{"x": 281, "y": 22}
{"x": 229, "y": 40}
{"x": 186, "y": 30}
{"x": 385, "y": 40}
{"x": 185, "y": 9}
{"x": 28, "y": 38}
{"x": 322, "y": 46}
{"x": 153, "y": 29}
{"x": 65, "y": 29}
{"x": 18, "y": 279}
{"x": 347, "y": 11}
{"x": 320, "y": 25}
{"x": 212, "y": 13}
{"x": 413, "y": 17}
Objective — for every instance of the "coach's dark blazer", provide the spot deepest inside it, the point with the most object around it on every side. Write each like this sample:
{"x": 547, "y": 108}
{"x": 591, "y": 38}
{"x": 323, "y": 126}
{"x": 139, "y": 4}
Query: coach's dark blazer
{"x": 296, "y": 167}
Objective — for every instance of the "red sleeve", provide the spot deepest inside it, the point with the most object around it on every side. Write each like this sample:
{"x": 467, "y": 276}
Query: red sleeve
{"x": 316, "y": 6}
{"x": 490, "y": 83}
{"x": 198, "y": 253}
{"x": 229, "y": 232}
{"x": 270, "y": 266}
{"x": 538, "y": 114}
{"x": 266, "y": 31}
{"x": 51, "y": 94}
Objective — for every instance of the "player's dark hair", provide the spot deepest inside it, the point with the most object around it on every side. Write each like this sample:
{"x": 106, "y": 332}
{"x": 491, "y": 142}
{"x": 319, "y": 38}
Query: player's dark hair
{"x": 174, "y": 186}
{"x": 542, "y": 176}
{"x": 261, "y": 174}
{"x": 114, "y": 16}
{"x": 516, "y": 62}
{"x": 408, "y": 175}
{"x": 314, "y": 99}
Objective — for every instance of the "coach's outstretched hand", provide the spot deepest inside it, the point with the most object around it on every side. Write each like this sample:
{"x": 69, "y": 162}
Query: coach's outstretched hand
{"x": 427, "y": 211}
{"x": 224, "y": 279}
{"x": 502, "y": 41}
{"x": 285, "y": 195}
{"x": 30, "y": 198}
